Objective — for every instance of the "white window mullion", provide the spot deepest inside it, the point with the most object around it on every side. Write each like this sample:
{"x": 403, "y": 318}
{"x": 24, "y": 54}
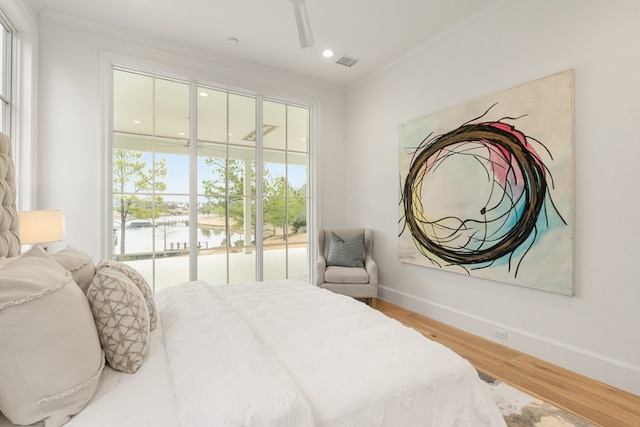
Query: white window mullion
{"x": 153, "y": 180}
{"x": 288, "y": 194}
{"x": 107, "y": 89}
{"x": 259, "y": 191}
{"x": 227, "y": 198}
{"x": 193, "y": 181}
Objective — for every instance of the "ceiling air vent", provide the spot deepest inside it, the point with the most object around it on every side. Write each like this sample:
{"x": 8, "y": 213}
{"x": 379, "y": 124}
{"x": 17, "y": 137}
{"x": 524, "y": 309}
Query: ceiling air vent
{"x": 347, "y": 61}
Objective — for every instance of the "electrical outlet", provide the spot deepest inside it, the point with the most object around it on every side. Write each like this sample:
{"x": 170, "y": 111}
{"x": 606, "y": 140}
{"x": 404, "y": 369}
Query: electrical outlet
{"x": 500, "y": 333}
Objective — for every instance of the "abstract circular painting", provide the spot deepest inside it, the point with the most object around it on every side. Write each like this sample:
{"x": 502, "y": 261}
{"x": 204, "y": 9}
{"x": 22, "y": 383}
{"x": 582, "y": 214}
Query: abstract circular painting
{"x": 487, "y": 187}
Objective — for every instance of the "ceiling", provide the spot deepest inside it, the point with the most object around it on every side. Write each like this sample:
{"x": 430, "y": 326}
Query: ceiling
{"x": 375, "y": 32}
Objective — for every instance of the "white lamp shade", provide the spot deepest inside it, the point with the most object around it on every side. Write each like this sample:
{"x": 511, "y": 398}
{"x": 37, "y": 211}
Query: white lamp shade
{"x": 41, "y": 226}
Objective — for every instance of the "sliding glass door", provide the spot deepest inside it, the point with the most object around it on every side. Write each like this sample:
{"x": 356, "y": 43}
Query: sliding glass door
{"x": 221, "y": 195}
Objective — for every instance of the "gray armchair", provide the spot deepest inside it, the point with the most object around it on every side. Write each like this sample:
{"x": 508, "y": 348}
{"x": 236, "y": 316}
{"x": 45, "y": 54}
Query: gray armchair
{"x": 337, "y": 267}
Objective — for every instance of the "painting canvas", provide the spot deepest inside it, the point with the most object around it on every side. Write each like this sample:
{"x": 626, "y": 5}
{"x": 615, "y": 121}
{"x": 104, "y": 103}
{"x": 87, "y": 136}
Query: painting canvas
{"x": 486, "y": 188}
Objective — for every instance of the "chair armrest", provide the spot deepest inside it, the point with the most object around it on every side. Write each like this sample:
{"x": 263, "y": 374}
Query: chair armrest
{"x": 321, "y": 266}
{"x": 372, "y": 268}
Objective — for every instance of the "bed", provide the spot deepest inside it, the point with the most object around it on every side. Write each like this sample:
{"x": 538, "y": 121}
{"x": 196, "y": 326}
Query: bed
{"x": 279, "y": 353}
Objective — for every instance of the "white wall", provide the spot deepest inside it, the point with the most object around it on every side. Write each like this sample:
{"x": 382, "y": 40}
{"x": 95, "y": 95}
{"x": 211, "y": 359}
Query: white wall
{"x": 594, "y": 332}
{"x": 70, "y": 146}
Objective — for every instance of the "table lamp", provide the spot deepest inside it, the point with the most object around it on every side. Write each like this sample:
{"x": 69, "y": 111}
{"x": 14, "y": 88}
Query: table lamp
{"x": 41, "y": 227}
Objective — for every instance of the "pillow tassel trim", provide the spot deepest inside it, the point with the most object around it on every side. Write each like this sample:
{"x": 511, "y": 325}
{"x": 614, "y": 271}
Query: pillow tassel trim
{"x": 35, "y": 296}
{"x": 77, "y": 388}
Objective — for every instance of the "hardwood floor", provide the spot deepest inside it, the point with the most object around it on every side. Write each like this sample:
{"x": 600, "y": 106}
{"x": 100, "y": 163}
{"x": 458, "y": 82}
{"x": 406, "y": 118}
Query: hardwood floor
{"x": 591, "y": 400}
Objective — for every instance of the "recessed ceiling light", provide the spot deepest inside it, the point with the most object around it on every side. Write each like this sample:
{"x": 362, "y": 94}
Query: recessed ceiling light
{"x": 181, "y": 133}
{"x": 328, "y": 53}
{"x": 137, "y": 122}
{"x": 204, "y": 94}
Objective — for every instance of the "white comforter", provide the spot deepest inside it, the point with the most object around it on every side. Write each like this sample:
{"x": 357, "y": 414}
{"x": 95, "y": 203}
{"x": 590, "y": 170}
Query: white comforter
{"x": 289, "y": 354}
{"x": 286, "y": 353}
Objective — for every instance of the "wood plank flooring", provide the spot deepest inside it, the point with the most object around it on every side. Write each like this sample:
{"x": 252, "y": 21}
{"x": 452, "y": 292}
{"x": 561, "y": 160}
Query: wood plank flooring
{"x": 589, "y": 399}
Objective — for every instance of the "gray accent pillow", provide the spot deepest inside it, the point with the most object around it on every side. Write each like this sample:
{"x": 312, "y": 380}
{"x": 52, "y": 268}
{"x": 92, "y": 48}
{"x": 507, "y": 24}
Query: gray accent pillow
{"x": 140, "y": 282}
{"x": 121, "y": 318}
{"x": 79, "y": 264}
{"x": 50, "y": 357}
{"x": 346, "y": 253}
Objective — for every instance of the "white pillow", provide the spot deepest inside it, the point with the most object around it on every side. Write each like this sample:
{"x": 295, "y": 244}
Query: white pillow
{"x": 78, "y": 263}
{"x": 50, "y": 358}
{"x": 4, "y": 261}
{"x": 121, "y": 318}
{"x": 140, "y": 282}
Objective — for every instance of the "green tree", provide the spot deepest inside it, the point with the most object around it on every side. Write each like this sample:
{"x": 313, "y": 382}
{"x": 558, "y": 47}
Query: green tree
{"x": 227, "y": 181}
{"x": 298, "y": 208}
{"x": 225, "y": 192}
{"x": 283, "y": 204}
{"x": 275, "y": 203}
{"x": 133, "y": 184}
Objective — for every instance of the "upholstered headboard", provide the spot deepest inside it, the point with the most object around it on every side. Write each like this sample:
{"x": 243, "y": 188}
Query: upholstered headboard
{"x": 9, "y": 228}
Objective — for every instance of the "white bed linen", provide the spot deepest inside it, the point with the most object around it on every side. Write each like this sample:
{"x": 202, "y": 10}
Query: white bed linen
{"x": 357, "y": 367}
{"x": 142, "y": 399}
{"x": 287, "y": 354}
{"x": 223, "y": 374}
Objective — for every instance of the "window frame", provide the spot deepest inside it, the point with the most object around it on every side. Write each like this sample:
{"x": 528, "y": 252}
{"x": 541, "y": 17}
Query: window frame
{"x": 111, "y": 62}
{"x": 22, "y": 94}
{"x": 6, "y": 85}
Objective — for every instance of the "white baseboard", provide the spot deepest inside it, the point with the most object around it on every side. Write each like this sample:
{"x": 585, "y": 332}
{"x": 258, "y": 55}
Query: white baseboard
{"x": 606, "y": 370}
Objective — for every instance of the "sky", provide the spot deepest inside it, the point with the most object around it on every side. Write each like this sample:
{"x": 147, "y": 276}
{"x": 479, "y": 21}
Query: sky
{"x": 177, "y": 179}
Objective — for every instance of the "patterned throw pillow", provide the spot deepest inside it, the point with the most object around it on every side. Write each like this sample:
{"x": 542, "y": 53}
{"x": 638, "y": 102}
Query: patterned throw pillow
{"x": 346, "y": 253}
{"x": 122, "y": 319}
{"x": 140, "y": 282}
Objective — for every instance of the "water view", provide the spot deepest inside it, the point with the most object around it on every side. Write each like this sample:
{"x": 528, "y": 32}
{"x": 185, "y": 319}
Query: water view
{"x": 171, "y": 233}
{"x": 216, "y": 264}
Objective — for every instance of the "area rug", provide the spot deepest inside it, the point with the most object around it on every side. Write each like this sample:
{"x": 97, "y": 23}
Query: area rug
{"x": 522, "y": 410}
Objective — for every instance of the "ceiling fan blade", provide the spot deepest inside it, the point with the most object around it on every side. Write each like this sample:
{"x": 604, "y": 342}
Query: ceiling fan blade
{"x": 302, "y": 21}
